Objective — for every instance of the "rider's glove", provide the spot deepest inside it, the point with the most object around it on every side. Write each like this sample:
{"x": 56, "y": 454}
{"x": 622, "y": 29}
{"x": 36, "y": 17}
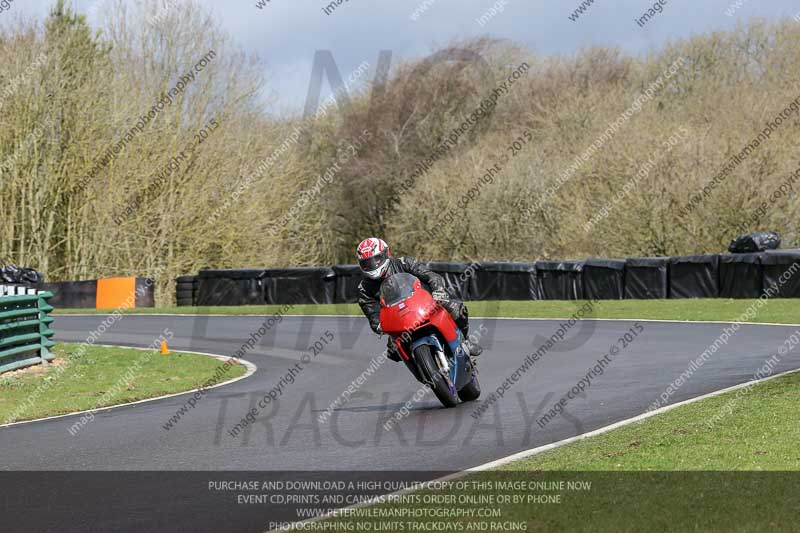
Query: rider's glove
{"x": 440, "y": 295}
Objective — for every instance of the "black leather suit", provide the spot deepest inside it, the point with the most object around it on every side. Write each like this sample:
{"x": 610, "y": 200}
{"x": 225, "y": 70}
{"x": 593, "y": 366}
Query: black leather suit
{"x": 369, "y": 289}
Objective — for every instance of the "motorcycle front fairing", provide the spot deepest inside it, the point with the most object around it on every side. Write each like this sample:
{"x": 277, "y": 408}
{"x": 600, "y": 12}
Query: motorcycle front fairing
{"x": 405, "y": 307}
{"x": 412, "y": 317}
{"x": 459, "y": 368}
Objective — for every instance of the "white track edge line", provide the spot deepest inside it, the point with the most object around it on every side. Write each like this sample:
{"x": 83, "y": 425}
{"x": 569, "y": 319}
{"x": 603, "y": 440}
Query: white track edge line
{"x": 533, "y": 451}
{"x": 251, "y": 369}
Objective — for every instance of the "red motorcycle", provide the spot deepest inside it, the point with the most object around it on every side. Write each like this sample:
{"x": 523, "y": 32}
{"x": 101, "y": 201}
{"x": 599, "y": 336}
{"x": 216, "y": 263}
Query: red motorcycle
{"x": 428, "y": 340}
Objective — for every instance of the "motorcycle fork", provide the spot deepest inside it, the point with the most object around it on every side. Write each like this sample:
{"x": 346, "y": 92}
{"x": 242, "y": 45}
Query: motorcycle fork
{"x": 441, "y": 358}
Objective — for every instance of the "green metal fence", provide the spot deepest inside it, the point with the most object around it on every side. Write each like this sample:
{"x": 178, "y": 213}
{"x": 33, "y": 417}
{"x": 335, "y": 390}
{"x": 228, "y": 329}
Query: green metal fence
{"x": 25, "y": 330}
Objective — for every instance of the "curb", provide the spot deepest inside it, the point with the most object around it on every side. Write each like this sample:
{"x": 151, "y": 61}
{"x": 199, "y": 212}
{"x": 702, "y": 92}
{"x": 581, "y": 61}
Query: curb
{"x": 251, "y": 368}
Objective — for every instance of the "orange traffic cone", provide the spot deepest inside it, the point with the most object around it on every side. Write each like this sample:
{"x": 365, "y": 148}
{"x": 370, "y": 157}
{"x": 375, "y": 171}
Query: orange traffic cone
{"x": 164, "y": 349}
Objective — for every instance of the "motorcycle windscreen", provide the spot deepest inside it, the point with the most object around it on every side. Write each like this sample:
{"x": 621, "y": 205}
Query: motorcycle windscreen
{"x": 397, "y": 288}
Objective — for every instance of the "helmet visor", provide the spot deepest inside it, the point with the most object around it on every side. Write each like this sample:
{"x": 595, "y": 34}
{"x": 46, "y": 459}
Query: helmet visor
{"x": 373, "y": 263}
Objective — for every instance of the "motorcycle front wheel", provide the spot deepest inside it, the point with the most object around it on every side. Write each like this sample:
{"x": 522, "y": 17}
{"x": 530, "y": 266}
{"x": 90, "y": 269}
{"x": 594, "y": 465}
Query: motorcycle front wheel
{"x": 471, "y": 391}
{"x": 440, "y": 384}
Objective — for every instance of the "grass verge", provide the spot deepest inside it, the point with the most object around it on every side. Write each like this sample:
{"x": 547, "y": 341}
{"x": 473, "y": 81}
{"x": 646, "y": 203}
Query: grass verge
{"x": 726, "y": 463}
{"x": 776, "y": 311}
{"x": 102, "y": 377}
{"x": 753, "y": 428}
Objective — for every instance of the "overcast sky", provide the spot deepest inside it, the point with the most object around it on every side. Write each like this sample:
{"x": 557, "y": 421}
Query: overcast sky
{"x": 286, "y": 33}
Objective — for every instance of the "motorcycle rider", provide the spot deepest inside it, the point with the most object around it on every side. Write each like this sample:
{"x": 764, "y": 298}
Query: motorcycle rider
{"x": 377, "y": 264}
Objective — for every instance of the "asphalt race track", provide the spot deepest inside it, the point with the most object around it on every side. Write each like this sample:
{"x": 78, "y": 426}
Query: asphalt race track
{"x": 289, "y": 436}
{"x": 168, "y": 474}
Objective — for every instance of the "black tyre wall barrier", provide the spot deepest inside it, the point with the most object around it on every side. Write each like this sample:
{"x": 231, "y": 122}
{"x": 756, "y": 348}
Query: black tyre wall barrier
{"x": 305, "y": 285}
{"x": 346, "y": 283}
{"x": 560, "y": 280}
{"x": 71, "y": 294}
{"x": 694, "y": 276}
{"x": 185, "y": 290}
{"x": 781, "y": 273}
{"x": 230, "y": 287}
{"x": 84, "y": 294}
{"x": 145, "y": 292}
{"x": 702, "y": 276}
{"x": 504, "y": 281}
{"x": 646, "y": 278}
{"x": 457, "y": 278}
{"x": 604, "y": 279}
{"x": 741, "y": 276}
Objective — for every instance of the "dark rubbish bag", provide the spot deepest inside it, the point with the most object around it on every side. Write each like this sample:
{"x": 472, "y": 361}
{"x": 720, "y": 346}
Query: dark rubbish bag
{"x": 21, "y": 275}
{"x": 755, "y": 242}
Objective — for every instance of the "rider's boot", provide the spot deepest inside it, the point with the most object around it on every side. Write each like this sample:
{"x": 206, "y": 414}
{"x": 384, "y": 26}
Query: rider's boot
{"x": 473, "y": 347}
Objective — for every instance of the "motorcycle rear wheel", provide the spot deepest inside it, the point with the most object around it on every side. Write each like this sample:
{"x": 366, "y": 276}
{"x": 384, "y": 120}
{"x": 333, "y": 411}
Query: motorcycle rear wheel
{"x": 427, "y": 362}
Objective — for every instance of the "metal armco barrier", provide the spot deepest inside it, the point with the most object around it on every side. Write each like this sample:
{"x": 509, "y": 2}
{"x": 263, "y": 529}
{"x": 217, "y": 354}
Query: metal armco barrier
{"x": 25, "y": 330}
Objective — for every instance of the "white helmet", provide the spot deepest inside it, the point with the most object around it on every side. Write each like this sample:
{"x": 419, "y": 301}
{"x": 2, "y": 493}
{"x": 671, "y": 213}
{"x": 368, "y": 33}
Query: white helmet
{"x": 373, "y": 257}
